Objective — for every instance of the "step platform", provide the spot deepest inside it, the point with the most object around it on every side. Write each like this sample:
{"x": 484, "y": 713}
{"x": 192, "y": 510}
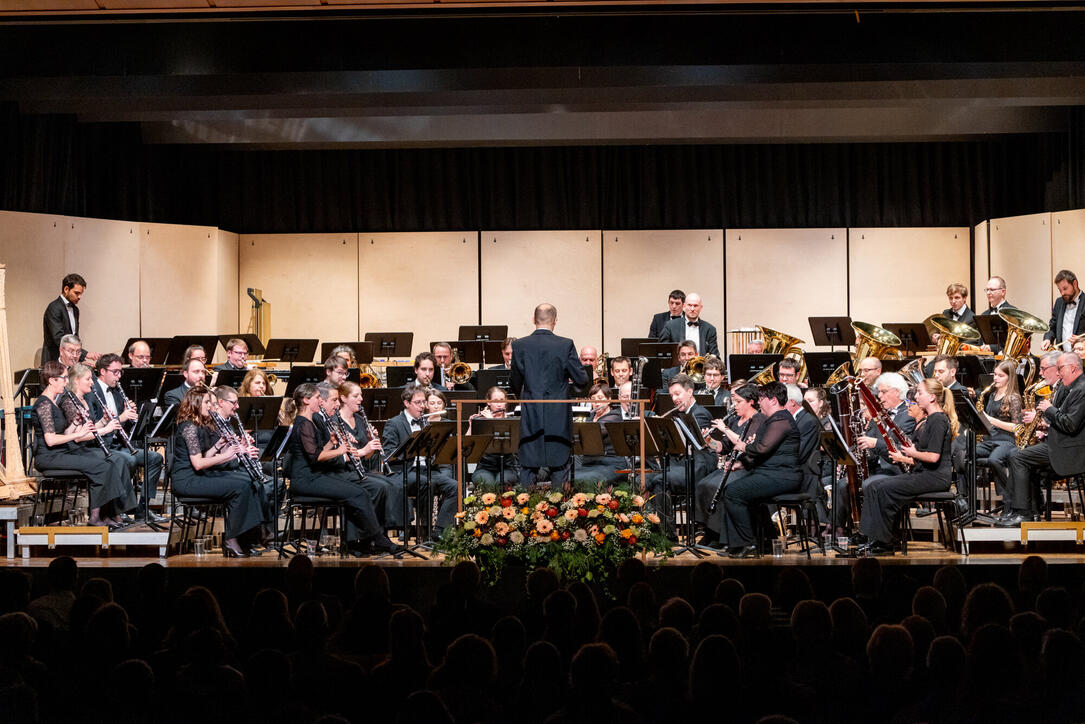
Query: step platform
{"x": 50, "y": 537}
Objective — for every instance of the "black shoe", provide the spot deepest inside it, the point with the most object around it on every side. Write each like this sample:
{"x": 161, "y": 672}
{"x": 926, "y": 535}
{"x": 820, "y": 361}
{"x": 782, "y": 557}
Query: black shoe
{"x": 858, "y": 539}
{"x": 1010, "y": 521}
{"x": 229, "y": 552}
{"x": 381, "y": 544}
{"x": 923, "y": 511}
{"x": 708, "y": 540}
{"x": 876, "y": 548}
{"x": 742, "y": 552}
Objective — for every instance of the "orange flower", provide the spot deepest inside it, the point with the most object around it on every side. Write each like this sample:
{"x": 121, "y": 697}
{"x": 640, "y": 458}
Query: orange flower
{"x": 626, "y": 533}
{"x": 637, "y": 519}
{"x": 476, "y": 533}
{"x": 599, "y": 538}
{"x": 555, "y": 536}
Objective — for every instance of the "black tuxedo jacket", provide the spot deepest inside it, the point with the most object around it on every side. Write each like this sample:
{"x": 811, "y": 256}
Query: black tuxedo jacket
{"x": 675, "y": 331}
{"x": 969, "y": 316}
{"x": 906, "y": 423}
{"x": 1054, "y": 328}
{"x": 991, "y": 312}
{"x": 174, "y": 396}
{"x": 55, "y": 324}
{"x": 1066, "y": 429}
{"x": 659, "y": 321}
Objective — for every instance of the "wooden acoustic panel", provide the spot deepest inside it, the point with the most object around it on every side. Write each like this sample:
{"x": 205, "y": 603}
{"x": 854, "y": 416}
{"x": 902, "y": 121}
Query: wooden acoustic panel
{"x": 780, "y": 278}
{"x": 1021, "y": 254}
{"x": 1067, "y": 249}
{"x": 228, "y": 317}
{"x": 982, "y": 262}
{"x": 32, "y": 247}
{"x": 641, "y": 268}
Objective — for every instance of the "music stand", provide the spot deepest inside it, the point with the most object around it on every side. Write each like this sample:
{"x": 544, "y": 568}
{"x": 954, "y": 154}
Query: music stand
{"x": 506, "y": 437}
{"x": 170, "y": 381}
{"x": 671, "y": 440}
{"x": 651, "y": 375}
{"x": 493, "y": 378}
{"x": 495, "y": 332}
{"x": 381, "y": 403}
{"x": 159, "y": 347}
{"x": 625, "y": 438}
{"x": 832, "y": 331}
{"x": 254, "y": 410}
{"x": 704, "y": 400}
{"x": 468, "y": 350}
{"x": 718, "y": 412}
{"x": 273, "y": 454}
{"x": 175, "y": 354}
{"x": 631, "y": 345}
{"x": 587, "y": 440}
{"x": 969, "y": 369}
{"x": 663, "y": 351}
{"x": 491, "y": 352}
{"x": 913, "y": 337}
{"x": 363, "y": 351}
{"x": 974, "y": 424}
{"x": 399, "y": 375}
{"x": 834, "y": 445}
{"x": 302, "y": 374}
{"x": 256, "y": 347}
{"x": 993, "y": 329}
{"x": 405, "y": 456}
{"x": 391, "y": 344}
{"x": 745, "y": 366}
{"x": 141, "y": 383}
{"x": 429, "y": 442}
{"x": 230, "y": 378}
{"x": 474, "y": 447}
{"x": 291, "y": 351}
{"x": 820, "y": 365}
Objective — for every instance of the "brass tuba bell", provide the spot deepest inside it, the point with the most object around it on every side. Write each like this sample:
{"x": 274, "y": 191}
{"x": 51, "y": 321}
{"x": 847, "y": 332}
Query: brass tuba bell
{"x": 694, "y": 368}
{"x": 1020, "y": 328}
{"x": 459, "y": 372}
{"x": 785, "y": 344}
{"x": 951, "y": 334}
{"x": 870, "y": 341}
{"x": 763, "y": 377}
{"x": 367, "y": 377}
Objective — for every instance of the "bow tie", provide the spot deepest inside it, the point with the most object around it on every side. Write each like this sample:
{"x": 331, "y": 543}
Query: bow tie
{"x": 693, "y": 324}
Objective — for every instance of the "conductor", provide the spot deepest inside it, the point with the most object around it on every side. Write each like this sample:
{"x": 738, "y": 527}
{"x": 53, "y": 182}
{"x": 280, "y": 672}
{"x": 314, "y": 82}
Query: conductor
{"x": 543, "y": 364}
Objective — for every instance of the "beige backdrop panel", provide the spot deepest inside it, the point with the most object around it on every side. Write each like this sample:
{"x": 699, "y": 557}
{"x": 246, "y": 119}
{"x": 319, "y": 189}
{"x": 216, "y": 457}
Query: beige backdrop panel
{"x": 901, "y": 275}
{"x": 106, "y": 254}
{"x": 30, "y": 243}
{"x": 521, "y": 269}
{"x": 1021, "y": 254}
{"x": 310, "y": 279}
{"x": 421, "y": 283}
{"x": 983, "y": 271}
{"x": 1067, "y": 245}
{"x": 180, "y": 290}
{"x": 779, "y": 278}
{"x": 640, "y": 268}
{"x": 228, "y": 316}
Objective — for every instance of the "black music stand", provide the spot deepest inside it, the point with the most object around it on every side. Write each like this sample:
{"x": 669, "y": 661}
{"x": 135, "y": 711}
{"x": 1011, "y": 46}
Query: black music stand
{"x": 405, "y": 456}
{"x": 625, "y": 437}
{"x": 230, "y": 378}
{"x": 495, "y": 332}
{"x": 142, "y": 383}
{"x": 381, "y": 403}
{"x": 391, "y": 344}
{"x": 175, "y": 354}
{"x": 834, "y": 445}
{"x": 363, "y": 351}
{"x": 256, "y": 347}
{"x": 993, "y": 329}
{"x": 456, "y": 399}
{"x": 820, "y": 365}
{"x": 505, "y": 434}
{"x": 159, "y": 437}
{"x": 832, "y": 332}
{"x": 651, "y": 376}
{"x": 969, "y": 369}
{"x": 273, "y": 454}
{"x": 302, "y": 374}
{"x": 631, "y": 345}
{"x": 428, "y": 444}
{"x": 493, "y": 378}
{"x": 718, "y": 412}
{"x": 745, "y": 366}
{"x": 252, "y": 411}
{"x": 28, "y": 384}
{"x": 914, "y": 337}
{"x": 704, "y": 400}
{"x": 474, "y": 447}
{"x": 491, "y": 352}
{"x": 400, "y": 375}
{"x": 665, "y": 352}
{"x": 587, "y": 440}
{"x": 975, "y": 424}
{"x": 159, "y": 347}
{"x": 671, "y": 439}
{"x": 468, "y": 350}
{"x": 291, "y": 351}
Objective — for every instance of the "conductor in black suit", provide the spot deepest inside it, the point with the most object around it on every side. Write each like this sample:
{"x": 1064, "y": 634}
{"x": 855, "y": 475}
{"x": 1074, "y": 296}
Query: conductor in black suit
{"x": 958, "y": 305}
{"x": 692, "y": 327}
{"x": 62, "y": 318}
{"x": 1062, "y": 453}
{"x": 675, "y": 300}
{"x": 543, "y": 364}
{"x": 1066, "y": 323}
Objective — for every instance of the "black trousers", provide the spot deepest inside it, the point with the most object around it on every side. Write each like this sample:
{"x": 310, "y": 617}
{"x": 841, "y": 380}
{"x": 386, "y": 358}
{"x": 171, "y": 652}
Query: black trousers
{"x": 1024, "y": 464}
{"x": 361, "y": 523}
{"x": 996, "y": 454}
{"x": 884, "y": 497}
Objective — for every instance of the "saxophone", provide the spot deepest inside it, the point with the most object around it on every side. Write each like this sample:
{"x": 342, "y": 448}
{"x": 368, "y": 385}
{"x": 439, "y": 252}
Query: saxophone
{"x": 981, "y": 396}
{"x": 1023, "y": 433}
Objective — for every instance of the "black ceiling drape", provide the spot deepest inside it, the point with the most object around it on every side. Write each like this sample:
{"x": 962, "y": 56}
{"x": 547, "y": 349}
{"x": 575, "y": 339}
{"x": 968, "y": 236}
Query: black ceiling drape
{"x": 52, "y": 164}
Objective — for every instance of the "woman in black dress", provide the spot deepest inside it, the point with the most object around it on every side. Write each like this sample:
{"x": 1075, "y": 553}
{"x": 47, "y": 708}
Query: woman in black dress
{"x": 386, "y": 495}
{"x": 313, "y": 471}
{"x": 204, "y": 466}
{"x": 885, "y": 497}
{"x": 62, "y": 444}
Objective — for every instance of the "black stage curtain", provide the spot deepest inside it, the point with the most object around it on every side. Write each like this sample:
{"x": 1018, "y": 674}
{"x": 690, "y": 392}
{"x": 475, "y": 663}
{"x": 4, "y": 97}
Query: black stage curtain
{"x": 53, "y": 164}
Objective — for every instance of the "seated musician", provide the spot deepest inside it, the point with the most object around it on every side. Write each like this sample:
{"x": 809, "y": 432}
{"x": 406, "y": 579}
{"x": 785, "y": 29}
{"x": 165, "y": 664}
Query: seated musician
{"x": 687, "y": 350}
{"x": 945, "y": 371}
{"x": 396, "y": 431}
{"x": 63, "y": 440}
{"x": 755, "y": 346}
{"x": 106, "y": 394}
{"x": 597, "y": 471}
{"x": 714, "y": 383}
{"x": 681, "y": 391}
{"x": 1002, "y": 407}
{"x": 629, "y": 410}
{"x": 809, "y": 437}
{"x": 621, "y": 371}
{"x": 425, "y": 366}
{"x": 139, "y": 354}
{"x": 787, "y": 372}
{"x": 506, "y": 355}
{"x": 489, "y": 469}
{"x": 442, "y": 354}
{"x": 869, "y": 370}
{"x": 1062, "y": 452}
{"x": 385, "y": 493}
{"x": 314, "y": 471}
{"x": 192, "y": 375}
{"x": 194, "y": 351}
{"x": 336, "y": 369}
{"x": 346, "y": 352}
{"x": 589, "y": 356}
{"x": 436, "y": 405}
{"x": 748, "y": 418}
{"x": 773, "y": 468}
{"x": 255, "y": 384}
{"x": 205, "y": 466}
{"x": 237, "y": 353}
{"x": 819, "y": 464}
{"x": 71, "y": 350}
{"x": 885, "y": 497}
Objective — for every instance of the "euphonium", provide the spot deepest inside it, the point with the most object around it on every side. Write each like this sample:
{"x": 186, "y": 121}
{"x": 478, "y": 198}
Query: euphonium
{"x": 459, "y": 372}
{"x": 1023, "y": 433}
{"x": 695, "y": 369}
{"x": 951, "y": 334}
{"x": 763, "y": 377}
{"x": 1020, "y": 328}
{"x": 367, "y": 378}
{"x": 785, "y": 344}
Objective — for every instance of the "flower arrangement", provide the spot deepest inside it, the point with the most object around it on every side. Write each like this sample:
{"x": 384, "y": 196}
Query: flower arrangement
{"x": 582, "y": 536}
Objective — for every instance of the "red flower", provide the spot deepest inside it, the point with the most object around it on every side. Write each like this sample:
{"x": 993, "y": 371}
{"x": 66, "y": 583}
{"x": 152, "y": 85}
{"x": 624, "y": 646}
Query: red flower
{"x": 613, "y": 504}
{"x": 582, "y": 512}
{"x": 565, "y": 535}
{"x": 502, "y": 541}
{"x": 551, "y": 512}
{"x": 632, "y": 540}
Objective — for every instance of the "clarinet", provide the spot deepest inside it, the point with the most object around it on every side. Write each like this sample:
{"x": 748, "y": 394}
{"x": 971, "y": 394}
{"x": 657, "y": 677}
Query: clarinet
{"x": 256, "y": 474}
{"x": 728, "y": 466}
{"x": 342, "y": 437}
{"x": 382, "y": 464}
{"x": 110, "y": 416}
{"x": 81, "y": 418}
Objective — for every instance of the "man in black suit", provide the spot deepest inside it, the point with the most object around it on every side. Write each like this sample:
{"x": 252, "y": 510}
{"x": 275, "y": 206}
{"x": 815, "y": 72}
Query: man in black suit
{"x": 192, "y": 374}
{"x": 945, "y": 371}
{"x": 713, "y": 380}
{"x": 237, "y": 353}
{"x": 543, "y": 364}
{"x": 809, "y": 438}
{"x": 687, "y": 350}
{"x": 106, "y": 394}
{"x": 1062, "y": 454}
{"x": 506, "y": 355}
{"x": 425, "y": 367}
{"x": 958, "y": 304}
{"x": 692, "y": 327}
{"x": 1067, "y": 322}
{"x": 62, "y": 318}
{"x": 675, "y": 301}
{"x": 995, "y": 289}
{"x": 681, "y": 391}
{"x": 396, "y": 431}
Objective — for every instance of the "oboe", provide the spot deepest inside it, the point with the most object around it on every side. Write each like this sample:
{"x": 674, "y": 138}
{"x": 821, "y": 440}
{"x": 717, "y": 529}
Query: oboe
{"x": 110, "y": 416}
{"x": 342, "y": 437}
{"x": 256, "y": 473}
{"x": 82, "y": 418}
{"x": 382, "y": 465}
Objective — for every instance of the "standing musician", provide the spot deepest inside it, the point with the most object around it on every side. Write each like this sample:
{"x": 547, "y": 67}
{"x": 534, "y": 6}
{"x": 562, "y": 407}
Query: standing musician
{"x": 774, "y": 469}
{"x": 490, "y": 465}
{"x": 958, "y": 305}
{"x": 385, "y": 494}
{"x": 396, "y": 431}
{"x": 675, "y": 301}
{"x": 193, "y": 375}
{"x": 61, "y": 318}
{"x": 887, "y": 497}
{"x": 1062, "y": 453}
{"x": 506, "y": 355}
{"x": 596, "y": 471}
{"x": 237, "y": 353}
{"x": 314, "y": 471}
{"x": 687, "y": 350}
{"x": 995, "y": 289}
{"x": 1003, "y": 409}
{"x": 748, "y": 419}
{"x": 336, "y": 369}
{"x": 425, "y": 366}
{"x": 713, "y": 380}
{"x": 139, "y": 354}
{"x": 1067, "y": 322}
{"x": 107, "y": 395}
{"x": 64, "y": 439}
{"x": 692, "y": 327}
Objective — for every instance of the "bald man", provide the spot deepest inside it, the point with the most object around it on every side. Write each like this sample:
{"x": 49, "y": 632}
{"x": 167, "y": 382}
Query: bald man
{"x": 692, "y": 327}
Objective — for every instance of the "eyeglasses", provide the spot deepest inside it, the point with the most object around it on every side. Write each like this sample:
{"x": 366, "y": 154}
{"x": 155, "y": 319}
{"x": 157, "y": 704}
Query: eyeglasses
{"x": 992, "y": 291}
{"x": 113, "y": 370}
{"x": 1059, "y": 368}
{"x": 231, "y": 402}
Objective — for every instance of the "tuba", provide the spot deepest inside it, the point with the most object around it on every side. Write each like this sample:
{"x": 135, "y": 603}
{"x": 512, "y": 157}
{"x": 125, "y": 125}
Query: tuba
{"x": 459, "y": 372}
{"x": 1020, "y": 328}
{"x": 951, "y": 334}
{"x": 870, "y": 341}
{"x": 695, "y": 369}
{"x": 763, "y": 377}
{"x": 785, "y": 344}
